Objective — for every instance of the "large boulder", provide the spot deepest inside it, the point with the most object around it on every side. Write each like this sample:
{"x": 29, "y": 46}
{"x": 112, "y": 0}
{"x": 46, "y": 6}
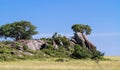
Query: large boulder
{"x": 81, "y": 39}
{"x": 33, "y": 44}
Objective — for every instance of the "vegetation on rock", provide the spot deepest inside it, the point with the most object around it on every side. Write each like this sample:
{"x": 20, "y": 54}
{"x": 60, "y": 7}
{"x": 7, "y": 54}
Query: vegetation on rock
{"x": 78, "y": 47}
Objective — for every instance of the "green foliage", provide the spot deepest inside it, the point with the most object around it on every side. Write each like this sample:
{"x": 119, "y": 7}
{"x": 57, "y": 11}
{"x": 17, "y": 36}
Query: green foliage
{"x": 5, "y": 53}
{"x": 65, "y": 41}
{"x": 81, "y": 52}
{"x": 60, "y": 52}
{"x": 68, "y": 50}
{"x": 48, "y": 40}
{"x": 6, "y": 57}
{"x": 5, "y": 49}
{"x": 24, "y": 30}
{"x": 61, "y": 40}
{"x": 97, "y": 55}
{"x": 18, "y": 30}
{"x": 82, "y": 28}
{"x": 25, "y": 47}
{"x": 5, "y": 30}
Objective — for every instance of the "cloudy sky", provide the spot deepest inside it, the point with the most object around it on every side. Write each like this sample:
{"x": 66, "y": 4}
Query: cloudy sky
{"x": 51, "y": 16}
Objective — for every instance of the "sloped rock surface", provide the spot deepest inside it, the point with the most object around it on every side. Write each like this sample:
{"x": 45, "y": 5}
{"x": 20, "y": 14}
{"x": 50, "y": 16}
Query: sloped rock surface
{"x": 82, "y": 40}
{"x": 79, "y": 38}
{"x": 33, "y": 44}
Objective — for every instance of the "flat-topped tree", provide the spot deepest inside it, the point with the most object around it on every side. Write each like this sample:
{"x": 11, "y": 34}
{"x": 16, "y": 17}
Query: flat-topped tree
{"x": 18, "y": 30}
{"x": 81, "y": 31}
{"x": 82, "y": 28}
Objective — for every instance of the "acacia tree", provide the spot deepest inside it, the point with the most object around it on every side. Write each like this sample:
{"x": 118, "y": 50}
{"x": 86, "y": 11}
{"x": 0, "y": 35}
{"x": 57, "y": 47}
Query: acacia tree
{"x": 18, "y": 30}
{"x": 81, "y": 31}
{"x": 82, "y": 28}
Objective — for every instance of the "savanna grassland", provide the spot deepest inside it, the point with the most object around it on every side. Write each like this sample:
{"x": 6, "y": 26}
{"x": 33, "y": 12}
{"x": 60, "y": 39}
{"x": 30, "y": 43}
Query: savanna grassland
{"x": 68, "y": 64}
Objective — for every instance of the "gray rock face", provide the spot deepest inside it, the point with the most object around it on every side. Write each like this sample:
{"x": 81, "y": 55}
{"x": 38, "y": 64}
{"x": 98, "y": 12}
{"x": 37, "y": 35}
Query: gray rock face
{"x": 79, "y": 38}
{"x": 33, "y": 44}
{"x": 82, "y": 40}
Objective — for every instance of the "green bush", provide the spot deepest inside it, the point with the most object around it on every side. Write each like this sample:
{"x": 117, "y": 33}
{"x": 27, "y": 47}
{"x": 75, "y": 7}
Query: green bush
{"x": 60, "y": 52}
{"x": 97, "y": 55}
{"x": 48, "y": 40}
{"x": 65, "y": 41}
{"x": 6, "y": 57}
{"x": 5, "y": 49}
{"x": 25, "y": 47}
{"x": 80, "y": 52}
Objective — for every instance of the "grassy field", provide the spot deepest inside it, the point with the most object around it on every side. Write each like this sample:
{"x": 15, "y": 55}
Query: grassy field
{"x": 51, "y": 64}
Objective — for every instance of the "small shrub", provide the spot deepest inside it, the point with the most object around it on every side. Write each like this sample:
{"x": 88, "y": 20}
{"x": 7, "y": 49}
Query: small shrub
{"x": 25, "y": 47}
{"x": 6, "y": 57}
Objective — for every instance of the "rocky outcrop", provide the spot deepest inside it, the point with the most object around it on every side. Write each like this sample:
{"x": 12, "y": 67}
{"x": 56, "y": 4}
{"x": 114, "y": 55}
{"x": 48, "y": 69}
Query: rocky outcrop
{"x": 79, "y": 38}
{"x": 33, "y": 44}
{"x": 82, "y": 40}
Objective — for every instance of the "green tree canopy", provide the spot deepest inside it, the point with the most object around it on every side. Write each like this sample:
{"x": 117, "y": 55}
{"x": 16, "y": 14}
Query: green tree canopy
{"x": 18, "y": 30}
{"x": 82, "y": 28}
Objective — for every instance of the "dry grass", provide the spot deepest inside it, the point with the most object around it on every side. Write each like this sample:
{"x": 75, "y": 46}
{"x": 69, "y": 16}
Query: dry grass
{"x": 51, "y": 64}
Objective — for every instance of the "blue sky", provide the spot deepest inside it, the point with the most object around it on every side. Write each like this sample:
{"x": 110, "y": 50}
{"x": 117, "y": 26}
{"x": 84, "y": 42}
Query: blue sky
{"x": 51, "y": 16}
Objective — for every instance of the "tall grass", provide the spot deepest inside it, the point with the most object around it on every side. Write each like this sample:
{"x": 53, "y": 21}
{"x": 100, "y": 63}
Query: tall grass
{"x": 71, "y": 64}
